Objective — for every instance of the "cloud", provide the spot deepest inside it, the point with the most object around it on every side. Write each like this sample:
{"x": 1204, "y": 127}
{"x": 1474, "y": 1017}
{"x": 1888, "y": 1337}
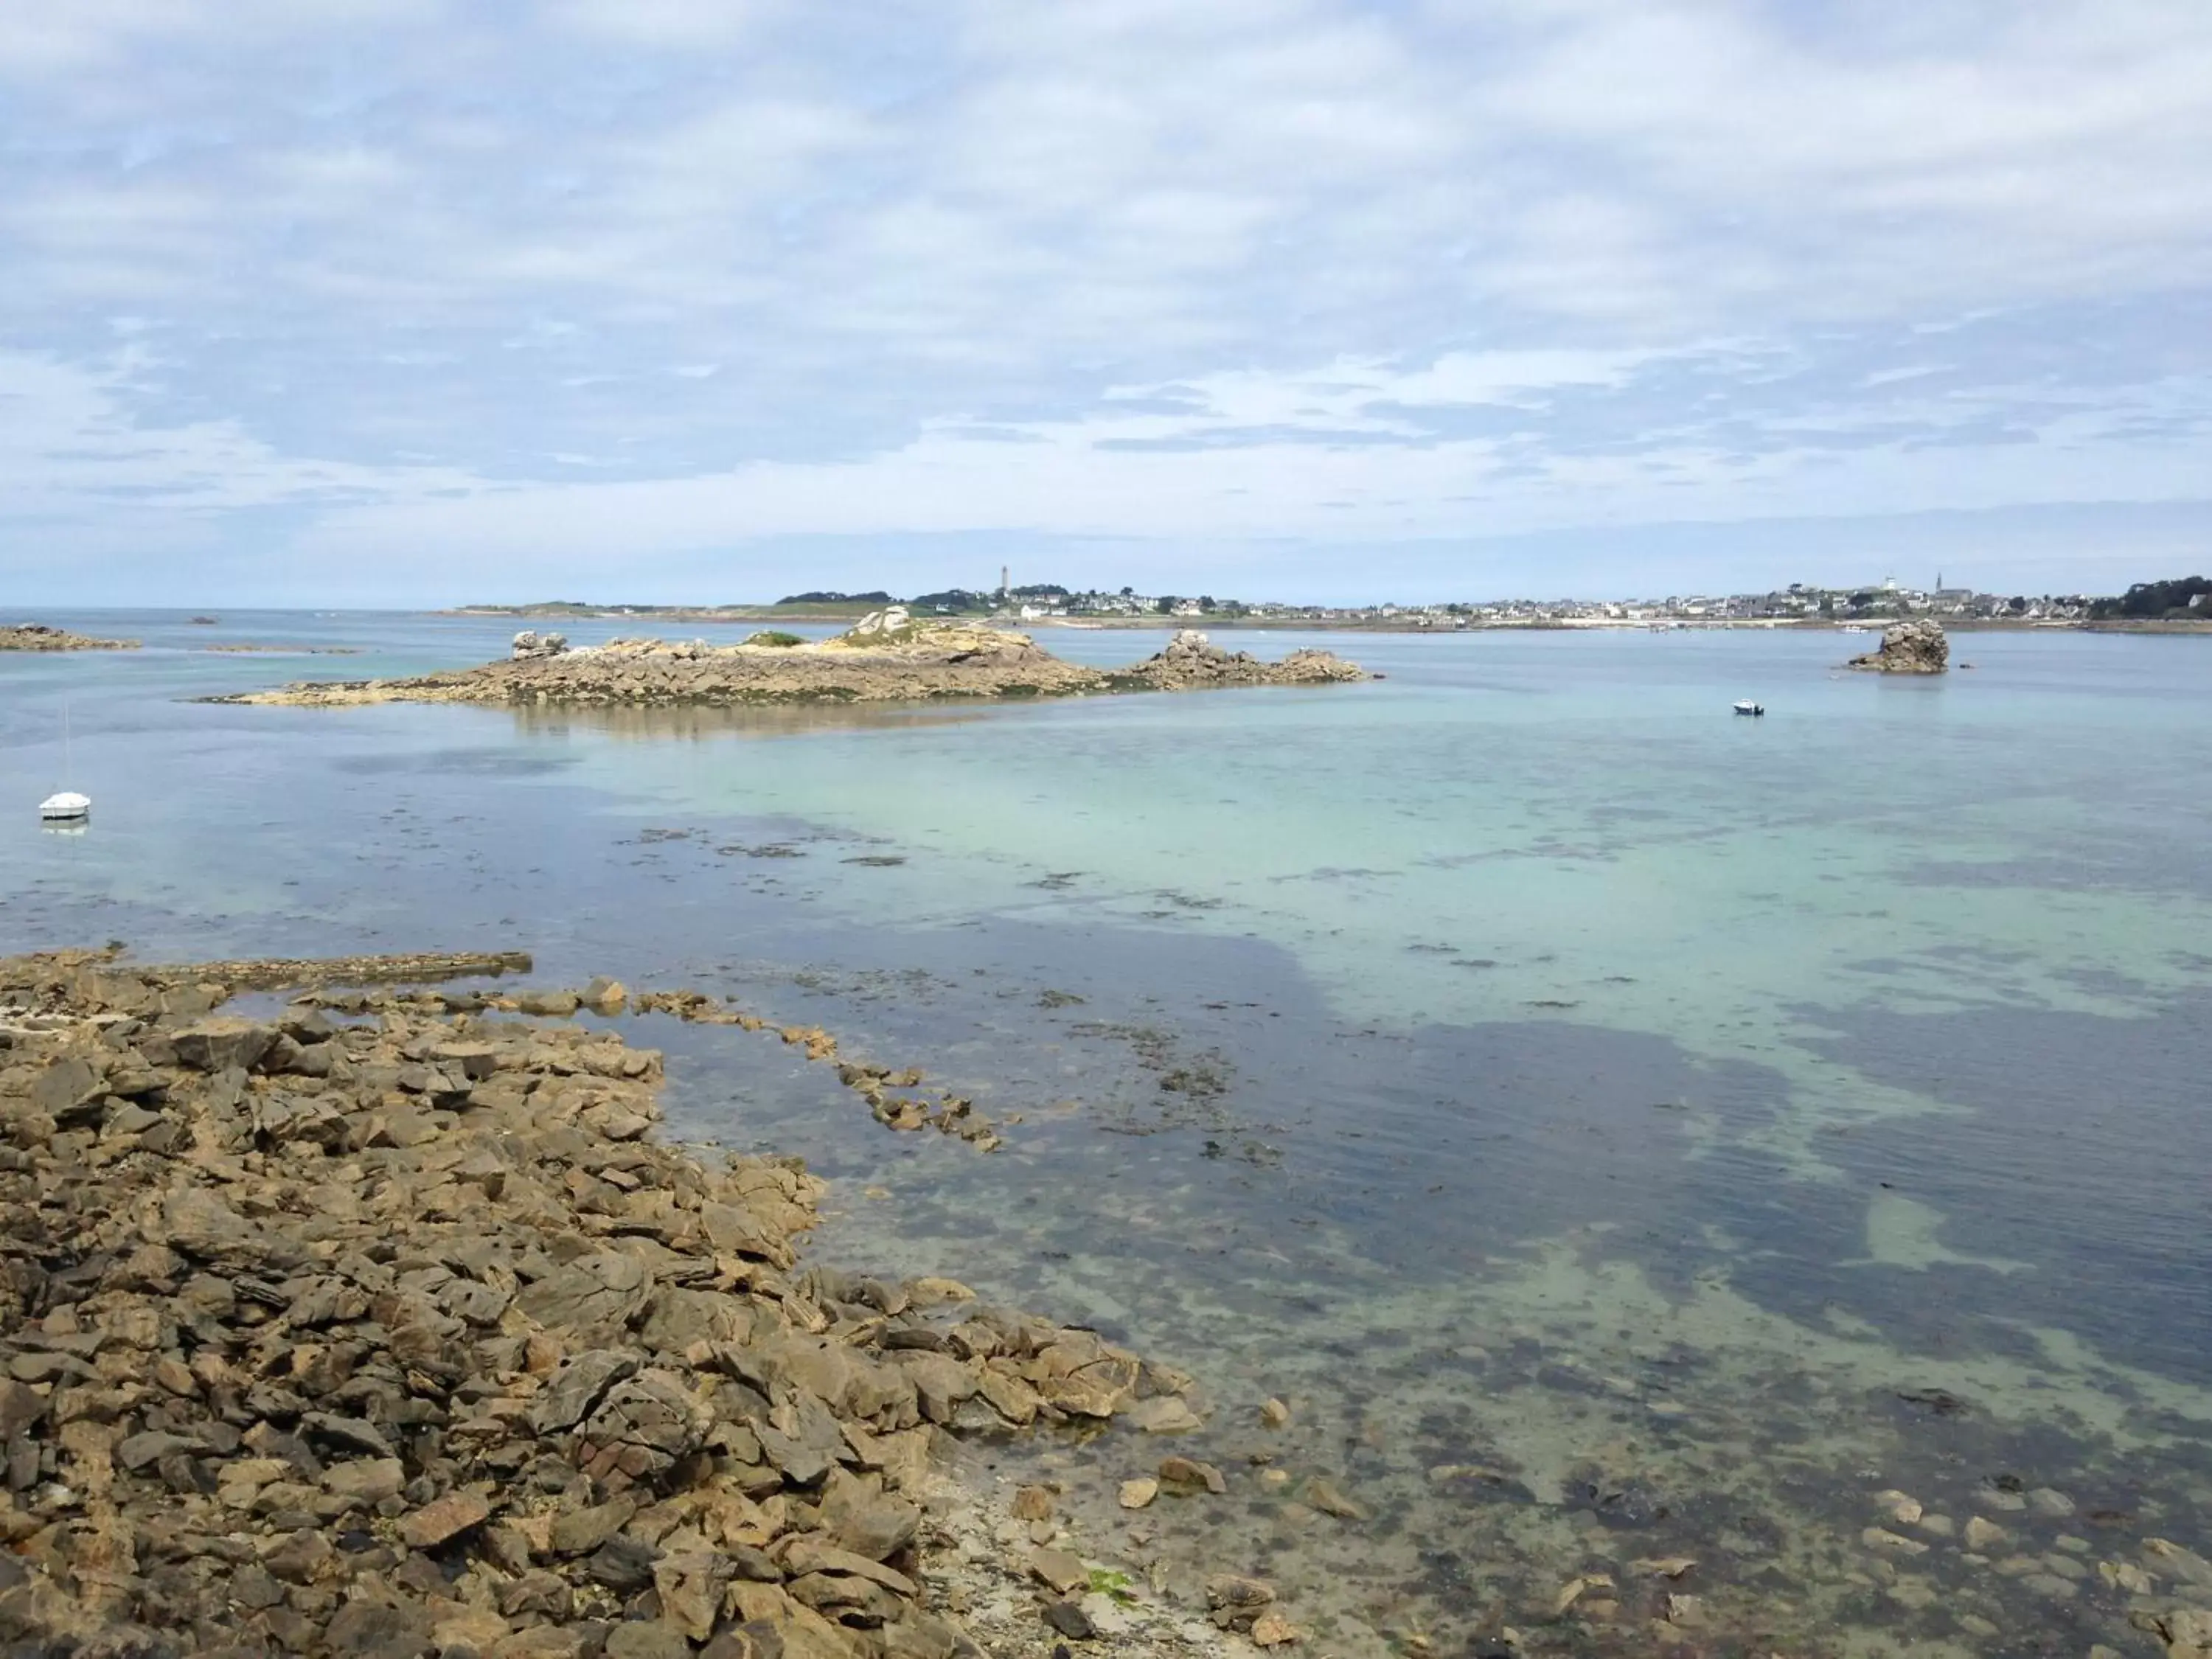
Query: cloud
{"x": 1286, "y": 268}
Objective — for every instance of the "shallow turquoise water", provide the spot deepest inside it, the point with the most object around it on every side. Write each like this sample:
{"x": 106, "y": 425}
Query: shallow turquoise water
{"x": 1569, "y": 1079}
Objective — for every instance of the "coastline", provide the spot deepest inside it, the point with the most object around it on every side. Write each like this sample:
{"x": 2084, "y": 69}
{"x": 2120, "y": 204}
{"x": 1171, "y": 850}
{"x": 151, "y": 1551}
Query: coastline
{"x": 754, "y": 616}
{"x": 382, "y": 1318}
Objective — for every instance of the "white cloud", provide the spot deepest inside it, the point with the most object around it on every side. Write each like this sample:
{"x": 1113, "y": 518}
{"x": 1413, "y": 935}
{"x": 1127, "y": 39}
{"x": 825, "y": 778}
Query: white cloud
{"x": 767, "y": 269}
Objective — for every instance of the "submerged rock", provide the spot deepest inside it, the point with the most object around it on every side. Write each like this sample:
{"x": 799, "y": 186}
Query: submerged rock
{"x": 1917, "y": 647}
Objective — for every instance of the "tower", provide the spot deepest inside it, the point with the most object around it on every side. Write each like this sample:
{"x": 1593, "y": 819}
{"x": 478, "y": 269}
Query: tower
{"x": 1006, "y": 582}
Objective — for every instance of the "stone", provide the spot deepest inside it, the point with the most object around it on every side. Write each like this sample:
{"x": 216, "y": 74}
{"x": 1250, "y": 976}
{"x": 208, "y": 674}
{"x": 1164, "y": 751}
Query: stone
{"x": 1875, "y": 1538}
{"x": 223, "y": 1042}
{"x": 65, "y": 1086}
{"x": 2050, "y": 1503}
{"x": 606, "y": 1289}
{"x": 1138, "y": 1493}
{"x": 1062, "y": 1569}
{"x": 580, "y": 1532}
{"x": 655, "y": 1639}
{"x": 1164, "y": 1414}
{"x": 1032, "y": 1504}
{"x": 691, "y": 1585}
{"x": 1272, "y": 1630}
{"x": 1274, "y": 1413}
{"x": 530, "y": 646}
{"x": 299, "y": 1559}
{"x": 1069, "y": 1619}
{"x": 445, "y": 1519}
{"x": 1913, "y": 647}
{"x": 1188, "y": 1474}
{"x": 1324, "y": 1496}
{"x": 1984, "y": 1535}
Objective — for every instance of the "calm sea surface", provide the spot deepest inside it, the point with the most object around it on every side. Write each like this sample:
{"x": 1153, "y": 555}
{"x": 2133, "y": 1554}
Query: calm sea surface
{"x": 1622, "y": 1132}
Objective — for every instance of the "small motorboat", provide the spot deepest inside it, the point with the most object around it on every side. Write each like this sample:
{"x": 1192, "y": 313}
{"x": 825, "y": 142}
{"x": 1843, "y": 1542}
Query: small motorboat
{"x": 1747, "y": 707}
{"x": 67, "y": 807}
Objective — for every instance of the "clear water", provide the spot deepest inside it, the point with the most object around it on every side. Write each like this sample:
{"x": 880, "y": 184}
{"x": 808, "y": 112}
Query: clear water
{"x": 1698, "y": 1124}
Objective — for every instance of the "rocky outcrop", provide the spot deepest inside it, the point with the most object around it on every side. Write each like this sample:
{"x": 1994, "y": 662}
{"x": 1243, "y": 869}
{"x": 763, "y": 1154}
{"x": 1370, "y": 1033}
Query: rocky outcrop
{"x": 529, "y": 645}
{"x": 1191, "y": 660}
{"x": 1917, "y": 647}
{"x": 402, "y": 1336}
{"x": 889, "y": 658}
{"x": 37, "y": 637}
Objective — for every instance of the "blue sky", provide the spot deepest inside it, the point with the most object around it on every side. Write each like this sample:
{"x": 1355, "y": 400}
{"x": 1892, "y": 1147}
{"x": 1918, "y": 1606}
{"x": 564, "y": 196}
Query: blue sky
{"x": 406, "y": 301}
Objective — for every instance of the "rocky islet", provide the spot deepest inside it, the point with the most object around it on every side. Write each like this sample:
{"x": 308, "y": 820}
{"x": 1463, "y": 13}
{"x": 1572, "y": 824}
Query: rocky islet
{"x": 401, "y": 1335}
{"x": 38, "y": 636}
{"x": 1917, "y": 647}
{"x": 888, "y": 658}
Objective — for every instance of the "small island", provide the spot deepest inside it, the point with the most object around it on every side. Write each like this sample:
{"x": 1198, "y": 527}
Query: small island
{"x": 1918, "y": 646}
{"x": 890, "y": 657}
{"x": 38, "y": 636}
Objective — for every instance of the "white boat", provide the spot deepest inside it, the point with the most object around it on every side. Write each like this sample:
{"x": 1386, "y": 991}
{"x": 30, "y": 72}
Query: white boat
{"x": 1747, "y": 707}
{"x": 66, "y": 806}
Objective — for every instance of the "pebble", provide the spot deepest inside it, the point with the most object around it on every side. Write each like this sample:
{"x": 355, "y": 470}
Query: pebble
{"x": 1984, "y": 1534}
{"x": 1274, "y": 1413}
{"x": 1137, "y": 1493}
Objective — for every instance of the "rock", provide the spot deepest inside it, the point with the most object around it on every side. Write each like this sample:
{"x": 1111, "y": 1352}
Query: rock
{"x": 1188, "y": 1474}
{"x": 690, "y": 1586}
{"x": 1901, "y": 1509}
{"x": 606, "y": 996}
{"x": 1274, "y": 1413}
{"x": 299, "y": 1559}
{"x": 1069, "y": 1619}
{"x": 1164, "y": 1414}
{"x": 1139, "y": 1494}
{"x": 1272, "y": 1630}
{"x": 2186, "y": 1631}
{"x": 580, "y": 1532}
{"x": 446, "y": 1518}
{"x": 1323, "y": 1496}
{"x": 65, "y": 1087}
{"x": 1032, "y": 1504}
{"x": 887, "y": 657}
{"x": 223, "y": 1042}
{"x": 655, "y": 1639}
{"x": 2050, "y": 1503}
{"x": 1984, "y": 1535}
{"x": 1062, "y": 1569}
{"x": 530, "y": 646}
{"x": 1875, "y": 1538}
{"x": 1915, "y": 647}
{"x": 1234, "y": 1600}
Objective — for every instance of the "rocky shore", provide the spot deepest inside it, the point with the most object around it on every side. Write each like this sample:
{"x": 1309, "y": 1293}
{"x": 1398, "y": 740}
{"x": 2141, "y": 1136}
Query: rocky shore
{"x": 37, "y": 637}
{"x": 888, "y": 658}
{"x": 1909, "y": 647}
{"x": 376, "y": 1323}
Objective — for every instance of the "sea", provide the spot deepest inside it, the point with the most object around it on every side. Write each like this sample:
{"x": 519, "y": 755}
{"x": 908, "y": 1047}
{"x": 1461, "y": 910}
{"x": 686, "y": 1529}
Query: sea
{"x": 1680, "y": 1171}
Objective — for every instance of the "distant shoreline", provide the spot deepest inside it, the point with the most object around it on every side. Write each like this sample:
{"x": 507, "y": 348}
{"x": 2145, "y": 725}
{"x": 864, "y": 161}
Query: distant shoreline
{"x": 732, "y": 616}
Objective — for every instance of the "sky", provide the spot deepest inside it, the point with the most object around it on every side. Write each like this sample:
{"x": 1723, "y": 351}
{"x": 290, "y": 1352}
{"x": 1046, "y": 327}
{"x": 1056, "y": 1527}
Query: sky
{"x": 422, "y": 302}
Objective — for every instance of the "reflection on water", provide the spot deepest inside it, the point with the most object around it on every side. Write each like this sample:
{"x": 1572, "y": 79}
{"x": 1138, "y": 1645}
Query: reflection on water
{"x": 1751, "y": 1169}
{"x": 750, "y": 720}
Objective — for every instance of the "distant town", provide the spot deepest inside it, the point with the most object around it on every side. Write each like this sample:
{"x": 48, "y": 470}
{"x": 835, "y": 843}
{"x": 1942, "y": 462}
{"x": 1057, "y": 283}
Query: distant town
{"x": 2185, "y": 601}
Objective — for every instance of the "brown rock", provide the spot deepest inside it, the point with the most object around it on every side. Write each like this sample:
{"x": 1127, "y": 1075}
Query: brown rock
{"x": 1062, "y": 1569}
{"x": 443, "y": 1518}
{"x": 1188, "y": 1474}
{"x": 1033, "y": 1504}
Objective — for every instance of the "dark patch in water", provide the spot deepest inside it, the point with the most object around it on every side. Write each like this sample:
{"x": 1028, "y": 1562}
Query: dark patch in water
{"x": 455, "y": 763}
